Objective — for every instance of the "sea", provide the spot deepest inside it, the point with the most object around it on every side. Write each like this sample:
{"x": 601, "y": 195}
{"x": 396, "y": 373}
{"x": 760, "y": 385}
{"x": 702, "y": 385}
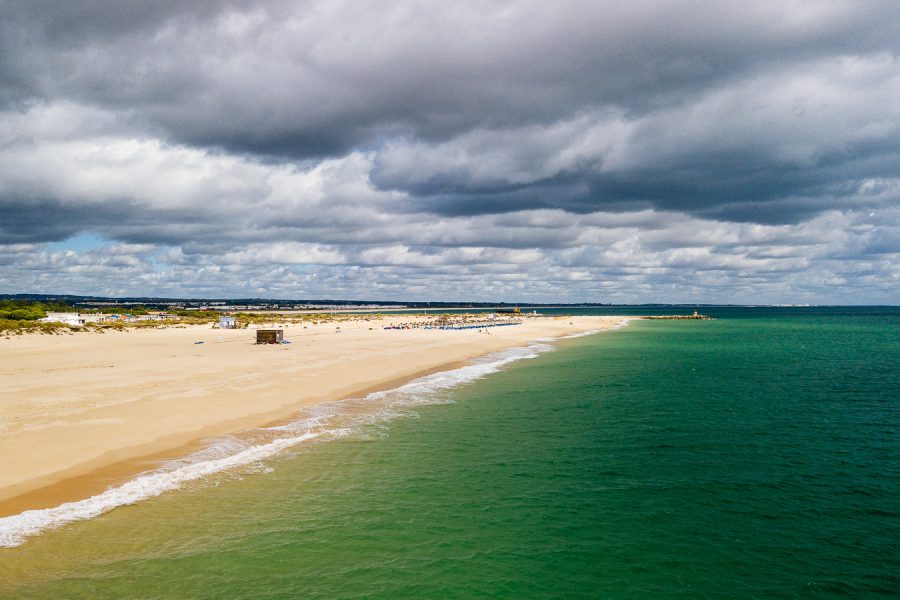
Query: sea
{"x": 754, "y": 455}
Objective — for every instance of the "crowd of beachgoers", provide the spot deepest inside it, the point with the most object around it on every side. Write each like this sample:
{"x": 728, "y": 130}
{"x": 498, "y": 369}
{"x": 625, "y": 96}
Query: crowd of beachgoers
{"x": 457, "y": 321}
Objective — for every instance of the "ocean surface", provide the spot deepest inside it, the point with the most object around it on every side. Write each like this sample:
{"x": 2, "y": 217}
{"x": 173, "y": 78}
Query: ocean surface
{"x": 756, "y": 455}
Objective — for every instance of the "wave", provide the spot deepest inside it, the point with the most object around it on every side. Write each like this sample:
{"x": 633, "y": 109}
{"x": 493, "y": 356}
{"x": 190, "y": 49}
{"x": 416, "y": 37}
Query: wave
{"x": 329, "y": 420}
{"x": 15, "y": 529}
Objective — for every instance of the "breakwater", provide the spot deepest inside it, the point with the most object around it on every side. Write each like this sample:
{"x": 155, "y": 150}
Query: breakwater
{"x": 694, "y": 316}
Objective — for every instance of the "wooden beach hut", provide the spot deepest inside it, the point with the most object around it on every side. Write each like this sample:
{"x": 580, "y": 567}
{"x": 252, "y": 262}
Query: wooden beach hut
{"x": 269, "y": 336}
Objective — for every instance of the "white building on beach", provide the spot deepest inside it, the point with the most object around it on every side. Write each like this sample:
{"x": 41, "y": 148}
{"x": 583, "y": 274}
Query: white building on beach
{"x": 74, "y": 319}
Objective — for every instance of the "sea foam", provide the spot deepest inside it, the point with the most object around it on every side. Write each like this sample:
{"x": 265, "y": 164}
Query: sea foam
{"x": 329, "y": 420}
{"x": 15, "y": 529}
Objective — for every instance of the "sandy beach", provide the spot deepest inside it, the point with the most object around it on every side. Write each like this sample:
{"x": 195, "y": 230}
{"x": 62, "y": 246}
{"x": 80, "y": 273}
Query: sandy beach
{"x": 81, "y": 412}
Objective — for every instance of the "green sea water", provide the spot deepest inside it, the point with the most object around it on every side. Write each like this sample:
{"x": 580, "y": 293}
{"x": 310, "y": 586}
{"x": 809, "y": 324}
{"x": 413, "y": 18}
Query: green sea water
{"x": 753, "y": 456}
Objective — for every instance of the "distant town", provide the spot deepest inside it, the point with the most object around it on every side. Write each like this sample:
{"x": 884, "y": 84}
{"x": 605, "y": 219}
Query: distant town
{"x": 272, "y": 304}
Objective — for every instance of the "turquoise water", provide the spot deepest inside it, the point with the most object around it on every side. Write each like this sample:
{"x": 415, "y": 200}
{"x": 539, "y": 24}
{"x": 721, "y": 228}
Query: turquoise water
{"x": 752, "y": 456}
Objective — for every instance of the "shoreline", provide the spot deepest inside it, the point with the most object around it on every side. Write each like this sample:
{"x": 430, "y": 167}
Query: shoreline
{"x": 394, "y": 358}
{"x": 105, "y": 475}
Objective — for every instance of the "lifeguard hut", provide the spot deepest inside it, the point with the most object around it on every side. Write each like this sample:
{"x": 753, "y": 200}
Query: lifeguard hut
{"x": 269, "y": 336}
{"x": 226, "y": 322}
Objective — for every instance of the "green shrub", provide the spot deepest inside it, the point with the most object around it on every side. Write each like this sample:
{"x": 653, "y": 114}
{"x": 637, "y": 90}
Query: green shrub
{"x": 21, "y": 310}
{"x": 28, "y": 326}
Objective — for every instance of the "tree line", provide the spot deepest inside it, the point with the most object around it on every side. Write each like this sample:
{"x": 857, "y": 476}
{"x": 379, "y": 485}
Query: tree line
{"x": 29, "y": 310}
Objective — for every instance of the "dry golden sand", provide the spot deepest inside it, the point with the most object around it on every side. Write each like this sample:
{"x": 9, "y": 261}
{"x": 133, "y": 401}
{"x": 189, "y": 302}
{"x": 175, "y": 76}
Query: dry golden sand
{"x": 80, "y": 412}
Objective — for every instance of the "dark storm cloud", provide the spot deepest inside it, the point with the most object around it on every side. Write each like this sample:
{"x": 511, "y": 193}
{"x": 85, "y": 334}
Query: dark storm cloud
{"x": 306, "y": 79}
{"x": 40, "y": 220}
{"x": 28, "y": 222}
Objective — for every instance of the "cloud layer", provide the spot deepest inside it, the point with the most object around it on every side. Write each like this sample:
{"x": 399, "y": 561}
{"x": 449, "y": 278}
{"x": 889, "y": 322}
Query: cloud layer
{"x": 568, "y": 151}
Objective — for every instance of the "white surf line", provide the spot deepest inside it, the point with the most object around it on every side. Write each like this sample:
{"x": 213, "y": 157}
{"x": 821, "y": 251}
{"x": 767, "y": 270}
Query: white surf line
{"x": 14, "y": 530}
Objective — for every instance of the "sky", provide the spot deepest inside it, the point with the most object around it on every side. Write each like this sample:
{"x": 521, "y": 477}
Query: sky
{"x": 530, "y": 151}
